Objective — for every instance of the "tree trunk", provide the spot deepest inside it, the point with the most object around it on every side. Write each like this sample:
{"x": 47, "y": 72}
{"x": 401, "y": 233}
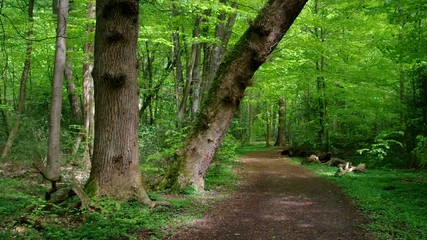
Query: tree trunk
{"x": 179, "y": 78}
{"x": 281, "y": 137}
{"x": 323, "y": 137}
{"x": 54, "y": 151}
{"x": 71, "y": 89}
{"x": 196, "y": 83}
{"x": 215, "y": 53}
{"x": 268, "y": 126}
{"x": 115, "y": 165}
{"x": 23, "y": 87}
{"x": 227, "y": 90}
{"x": 89, "y": 102}
{"x": 192, "y": 64}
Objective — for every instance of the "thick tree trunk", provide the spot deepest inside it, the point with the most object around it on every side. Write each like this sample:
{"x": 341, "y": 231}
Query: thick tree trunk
{"x": 115, "y": 165}
{"x": 227, "y": 90}
{"x": 54, "y": 151}
{"x": 23, "y": 87}
{"x": 281, "y": 137}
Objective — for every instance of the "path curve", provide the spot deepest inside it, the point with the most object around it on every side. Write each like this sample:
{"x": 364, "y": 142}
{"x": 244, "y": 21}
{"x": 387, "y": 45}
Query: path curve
{"x": 278, "y": 200}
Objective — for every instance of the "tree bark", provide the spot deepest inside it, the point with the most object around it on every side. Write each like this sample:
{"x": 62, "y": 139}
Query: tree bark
{"x": 115, "y": 165}
{"x": 54, "y": 151}
{"x": 23, "y": 87}
{"x": 229, "y": 85}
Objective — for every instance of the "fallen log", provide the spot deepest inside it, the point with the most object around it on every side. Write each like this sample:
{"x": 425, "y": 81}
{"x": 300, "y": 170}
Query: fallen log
{"x": 346, "y": 168}
{"x": 334, "y": 162}
{"x": 312, "y": 159}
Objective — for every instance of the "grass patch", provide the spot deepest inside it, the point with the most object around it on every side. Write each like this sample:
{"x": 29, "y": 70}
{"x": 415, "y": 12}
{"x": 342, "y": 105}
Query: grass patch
{"x": 394, "y": 200}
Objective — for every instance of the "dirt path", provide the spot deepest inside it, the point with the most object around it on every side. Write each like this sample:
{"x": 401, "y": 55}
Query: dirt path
{"x": 278, "y": 200}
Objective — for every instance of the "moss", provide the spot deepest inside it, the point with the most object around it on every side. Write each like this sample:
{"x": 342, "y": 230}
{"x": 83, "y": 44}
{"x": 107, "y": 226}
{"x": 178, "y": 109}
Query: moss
{"x": 91, "y": 188}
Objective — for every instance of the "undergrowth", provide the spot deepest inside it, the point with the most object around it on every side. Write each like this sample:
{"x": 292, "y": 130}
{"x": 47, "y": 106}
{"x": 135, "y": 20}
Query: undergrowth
{"x": 25, "y": 214}
{"x": 394, "y": 200}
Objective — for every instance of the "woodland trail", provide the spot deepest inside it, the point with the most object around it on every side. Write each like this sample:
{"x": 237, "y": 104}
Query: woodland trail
{"x": 278, "y": 200}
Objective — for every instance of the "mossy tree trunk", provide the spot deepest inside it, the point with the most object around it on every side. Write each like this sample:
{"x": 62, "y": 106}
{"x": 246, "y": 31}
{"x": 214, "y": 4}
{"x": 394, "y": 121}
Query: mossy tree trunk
{"x": 115, "y": 165}
{"x": 232, "y": 78}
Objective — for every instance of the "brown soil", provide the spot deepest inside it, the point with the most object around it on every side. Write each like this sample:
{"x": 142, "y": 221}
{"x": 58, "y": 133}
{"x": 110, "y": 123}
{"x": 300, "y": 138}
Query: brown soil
{"x": 278, "y": 200}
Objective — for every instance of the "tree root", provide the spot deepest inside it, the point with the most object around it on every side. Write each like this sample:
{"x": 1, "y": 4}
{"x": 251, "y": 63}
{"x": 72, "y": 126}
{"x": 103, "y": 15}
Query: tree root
{"x": 60, "y": 192}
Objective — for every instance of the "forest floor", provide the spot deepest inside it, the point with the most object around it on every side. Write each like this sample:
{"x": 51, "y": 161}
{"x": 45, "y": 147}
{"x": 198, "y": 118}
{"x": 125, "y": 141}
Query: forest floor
{"x": 276, "y": 199}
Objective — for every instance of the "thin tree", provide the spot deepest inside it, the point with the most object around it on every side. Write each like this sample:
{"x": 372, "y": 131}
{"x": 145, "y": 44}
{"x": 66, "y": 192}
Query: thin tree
{"x": 23, "y": 85}
{"x": 52, "y": 171}
{"x": 228, "y": 88}
{"x": 281, "y": 137}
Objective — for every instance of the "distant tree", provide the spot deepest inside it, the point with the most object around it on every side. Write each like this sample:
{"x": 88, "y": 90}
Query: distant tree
{"x": 281, "y": 137}
{"x": 23, "y": 85}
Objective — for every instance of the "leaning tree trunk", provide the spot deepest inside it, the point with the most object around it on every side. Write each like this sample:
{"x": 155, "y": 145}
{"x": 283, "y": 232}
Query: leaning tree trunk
{"x": 115, "y": 165}
{"x": 54, "y": 152}
{"x": 23, "y": 86}
{"x": 227, "y": 90}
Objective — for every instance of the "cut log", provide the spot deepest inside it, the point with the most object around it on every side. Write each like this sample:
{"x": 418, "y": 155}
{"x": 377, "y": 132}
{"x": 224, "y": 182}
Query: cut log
{"x": 346, "y": 168}
{"x": 334, "y": 162}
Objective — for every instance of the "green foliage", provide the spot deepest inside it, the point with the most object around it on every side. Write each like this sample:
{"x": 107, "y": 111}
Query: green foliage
{"x": 221, "y": 172}
{"x": 393, "y": 200}
{"x": 381, "y": 147}
{"x": 157, "y": 151}
{"x": 420, "y": 151}
{"x": 25, "y": 215}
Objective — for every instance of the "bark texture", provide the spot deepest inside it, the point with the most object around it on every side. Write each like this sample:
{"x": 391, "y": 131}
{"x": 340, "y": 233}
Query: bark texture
{"x": 115, "y": 164}
{"x": 233, "y": 76}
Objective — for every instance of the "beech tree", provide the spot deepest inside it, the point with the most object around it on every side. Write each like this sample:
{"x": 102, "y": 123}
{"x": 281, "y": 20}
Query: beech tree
{"x": 228, "y": 87}
{"x": 54, "y": 152}
{"x": 115, "y": 165}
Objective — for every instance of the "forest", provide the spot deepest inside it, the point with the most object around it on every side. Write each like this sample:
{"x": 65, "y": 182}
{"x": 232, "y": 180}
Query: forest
{"x": 121, "y": 115}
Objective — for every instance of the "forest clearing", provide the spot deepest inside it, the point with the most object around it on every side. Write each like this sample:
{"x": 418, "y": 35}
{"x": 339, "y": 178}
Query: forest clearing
{"x": 127, "y": 119}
